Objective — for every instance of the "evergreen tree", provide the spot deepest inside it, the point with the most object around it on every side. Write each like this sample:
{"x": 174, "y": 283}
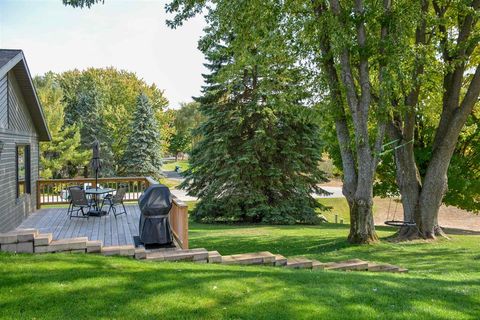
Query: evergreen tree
{"x": 102, "y": 101}
{"x": 142, "y": 154}
{"x": 258, "y": 157}
{"x": 92, "y": 127}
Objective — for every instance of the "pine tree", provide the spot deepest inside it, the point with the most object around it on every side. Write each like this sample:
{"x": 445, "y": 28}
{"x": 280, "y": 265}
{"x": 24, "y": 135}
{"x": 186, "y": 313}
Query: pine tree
{"x": 92, "y": 127}
{"x": 259, "y": 155}
{"x": 142, "y": 155}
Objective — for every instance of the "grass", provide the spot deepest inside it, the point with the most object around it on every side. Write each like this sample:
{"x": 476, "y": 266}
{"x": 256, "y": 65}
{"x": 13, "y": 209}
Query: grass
{"x": 171, "y": 183}
{"x": 443, "y": 282}
{"x": 339, "y": 207}
{"x": 170, "y": 166}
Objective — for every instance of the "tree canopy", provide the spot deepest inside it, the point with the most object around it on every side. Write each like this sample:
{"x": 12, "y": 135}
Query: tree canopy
{"x": 60, "y": 157}
{"x": 142, "y": 154}
{"x": 257, "y": 159}
{"x": 100, "y": 104}
{"x": 401, "y": 75}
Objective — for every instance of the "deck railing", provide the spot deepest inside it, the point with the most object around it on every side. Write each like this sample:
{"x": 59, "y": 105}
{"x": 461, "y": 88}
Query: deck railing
{"x": 54, "y": 191}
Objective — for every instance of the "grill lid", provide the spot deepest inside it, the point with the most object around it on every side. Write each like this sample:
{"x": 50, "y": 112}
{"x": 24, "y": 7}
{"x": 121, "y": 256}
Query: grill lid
{"x": 156, "y": 200}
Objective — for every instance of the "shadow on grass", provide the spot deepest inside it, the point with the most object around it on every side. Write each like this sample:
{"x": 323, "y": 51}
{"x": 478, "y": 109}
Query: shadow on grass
{"x": 80, "y": 286}
{"x": 328, "y": 243}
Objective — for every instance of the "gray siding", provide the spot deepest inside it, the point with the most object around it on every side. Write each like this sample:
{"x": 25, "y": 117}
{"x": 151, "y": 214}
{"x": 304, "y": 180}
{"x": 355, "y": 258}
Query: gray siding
{"x": 19, "y": 116}
{"x": 20, "y": 130}
{"x": 3, "y": 102}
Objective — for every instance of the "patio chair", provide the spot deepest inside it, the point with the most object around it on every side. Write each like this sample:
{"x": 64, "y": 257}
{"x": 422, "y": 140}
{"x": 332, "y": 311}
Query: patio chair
{"x": 115, "y": 201}
{"x": 65, "y": 194}
{"x": 78, "y": 203}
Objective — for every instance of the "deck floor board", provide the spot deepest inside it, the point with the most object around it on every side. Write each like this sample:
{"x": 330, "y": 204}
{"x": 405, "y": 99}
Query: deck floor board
{"x": 111, "y": 231}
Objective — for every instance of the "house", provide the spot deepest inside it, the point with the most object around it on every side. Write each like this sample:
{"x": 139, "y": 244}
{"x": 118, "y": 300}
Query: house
{"x": 22, "y": 127}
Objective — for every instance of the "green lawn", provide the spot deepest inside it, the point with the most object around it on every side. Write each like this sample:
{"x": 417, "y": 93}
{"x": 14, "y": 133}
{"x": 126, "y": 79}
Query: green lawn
{"x": 339, "y": 207}
{"x": 170, "y": 165}
{"x": 171, "y": 183}
{"x": 443, "y": 282}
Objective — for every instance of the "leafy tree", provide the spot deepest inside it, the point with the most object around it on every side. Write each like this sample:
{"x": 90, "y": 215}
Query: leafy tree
{"x": 113, "y": 93}
{"x": 464, "y": 170}
{"x": 434, "y": 108}
{"x": 258, "y": 156}
{"x": 377, "y": 64}
{"x": 142, "y": 155}
{"x": 187, "y": 119}
{"x": 179, "y": 143}
{"x": 60, "y": 157}
{"x": 81, "y": 3}
{"x": 167, "y": 127}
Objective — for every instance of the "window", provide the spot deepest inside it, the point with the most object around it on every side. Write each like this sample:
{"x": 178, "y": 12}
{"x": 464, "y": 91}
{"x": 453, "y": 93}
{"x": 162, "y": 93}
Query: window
{"x": 23, "y": 170}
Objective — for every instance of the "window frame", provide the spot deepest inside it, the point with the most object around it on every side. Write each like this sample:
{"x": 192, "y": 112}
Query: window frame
{"x": 27, "y": 163}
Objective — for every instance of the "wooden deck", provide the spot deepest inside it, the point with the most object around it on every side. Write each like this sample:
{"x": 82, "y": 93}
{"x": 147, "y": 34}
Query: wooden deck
{"x": 111, "y": 231}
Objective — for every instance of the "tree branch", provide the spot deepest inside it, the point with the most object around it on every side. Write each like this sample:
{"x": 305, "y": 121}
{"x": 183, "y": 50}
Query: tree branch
{"x": 473, "y": 91}
{"x": 346, "y": 69}
{"x": 342, "y": 131}
{"x": 363, "y": 68}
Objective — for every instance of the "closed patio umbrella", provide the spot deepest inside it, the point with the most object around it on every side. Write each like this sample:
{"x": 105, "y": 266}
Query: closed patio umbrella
{"x": 95, "y": 162}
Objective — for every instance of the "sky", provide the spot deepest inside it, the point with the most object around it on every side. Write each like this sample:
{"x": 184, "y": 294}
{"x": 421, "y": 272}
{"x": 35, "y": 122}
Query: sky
{"x": 125, "y": 34}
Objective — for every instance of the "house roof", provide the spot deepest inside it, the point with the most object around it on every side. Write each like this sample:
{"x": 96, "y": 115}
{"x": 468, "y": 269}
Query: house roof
{"x": 14, "y": 60}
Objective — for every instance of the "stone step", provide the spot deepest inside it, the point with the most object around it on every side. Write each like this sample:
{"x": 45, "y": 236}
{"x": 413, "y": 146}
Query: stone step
{"x": 214, "y": 257}
{"x": 151, "y": 250}
{"x": 354, "y": 264}
{"x": 386, "y": 268}
{"x": 42, "y": 239}
{"x": 374, "y": 267}
{"x": 78, "y": 251}
{"x": 228, "y": 260}
{"x": 196, "y": 255}
{"x": 140, "y": 253}
{"x": 61, "y": 245}
{"x": 26, "y": 235}
{"x": 19, "y": 247}
{"x": 318, "y": 265}
{"x": 94, "y": 246}
{"x": 8, "y": 238}
{"x": 25, "y": 247}
{"x": 263, "y": 257}
{"x": 127, "y": 250}
{"x": 280, "y": 260}
{"x": 21, "y": 235}
{"x": 9, "y": 247}
{"x": 299, "y": 263}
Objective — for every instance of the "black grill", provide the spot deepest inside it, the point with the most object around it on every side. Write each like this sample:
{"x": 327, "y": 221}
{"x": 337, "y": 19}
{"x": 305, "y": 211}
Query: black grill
{"x": 155, "y": 204}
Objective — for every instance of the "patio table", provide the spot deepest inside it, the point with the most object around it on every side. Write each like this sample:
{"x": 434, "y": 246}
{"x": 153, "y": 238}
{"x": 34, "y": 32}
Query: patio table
{"x": 95, "y": 192}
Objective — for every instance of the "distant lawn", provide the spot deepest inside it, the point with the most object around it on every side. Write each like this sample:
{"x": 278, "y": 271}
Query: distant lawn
{"x": 171, "y": 183}
{"x": 339, "y": 207}
{"x": 443, "y": 282}
{"x": 170, "y": 166}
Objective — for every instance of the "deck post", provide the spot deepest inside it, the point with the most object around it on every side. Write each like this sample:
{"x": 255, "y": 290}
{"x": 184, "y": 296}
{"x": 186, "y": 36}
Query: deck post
{"x": 39, "y": 204}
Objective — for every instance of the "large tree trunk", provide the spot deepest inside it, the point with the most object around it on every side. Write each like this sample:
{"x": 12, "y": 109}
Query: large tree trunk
{"x": 422, "y": 201}
{"x": 358, "y": 175}
{"x": 409, "y": 184}
{"x": 362, "y": 227}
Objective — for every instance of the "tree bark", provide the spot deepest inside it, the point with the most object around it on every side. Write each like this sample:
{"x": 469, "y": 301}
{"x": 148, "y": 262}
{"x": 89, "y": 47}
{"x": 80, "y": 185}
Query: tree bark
{"x": 422, "y": 201}
{"x": 362, "y": 228}
{"x": 435, "y": 181}
{"x": 408, "y": 181}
